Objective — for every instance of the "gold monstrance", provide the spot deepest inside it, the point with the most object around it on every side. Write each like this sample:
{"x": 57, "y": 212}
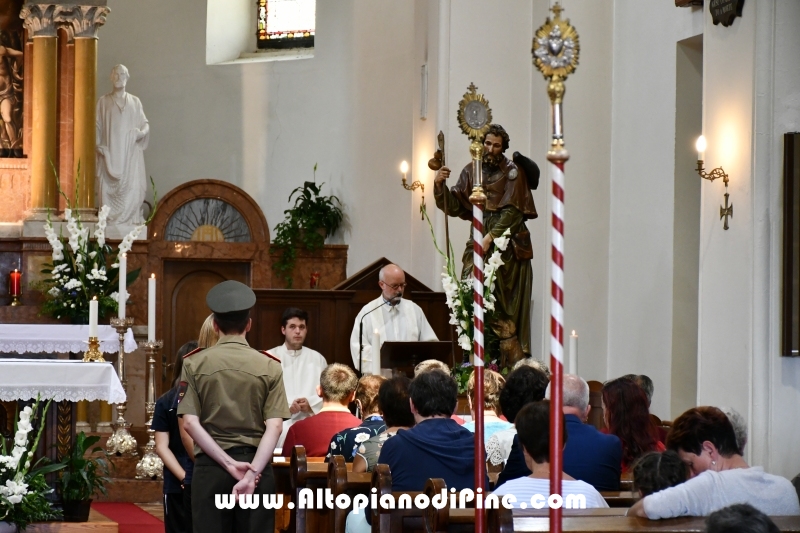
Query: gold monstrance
{"x": 474, "y": 117}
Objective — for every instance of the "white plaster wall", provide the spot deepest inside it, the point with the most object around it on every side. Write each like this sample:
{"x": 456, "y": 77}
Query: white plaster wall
{"x": 642, "y": 189}
{"x": 263, "y": 126}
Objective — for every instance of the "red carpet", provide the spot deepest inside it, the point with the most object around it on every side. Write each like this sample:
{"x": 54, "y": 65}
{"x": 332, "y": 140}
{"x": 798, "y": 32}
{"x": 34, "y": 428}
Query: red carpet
{"x": 131, "y": 519}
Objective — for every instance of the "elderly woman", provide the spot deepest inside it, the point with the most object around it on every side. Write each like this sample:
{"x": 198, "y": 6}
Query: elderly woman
{"x": 705, "y": 441}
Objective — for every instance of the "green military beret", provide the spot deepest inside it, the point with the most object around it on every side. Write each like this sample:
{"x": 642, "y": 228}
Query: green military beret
{"x": 230, "y": 296}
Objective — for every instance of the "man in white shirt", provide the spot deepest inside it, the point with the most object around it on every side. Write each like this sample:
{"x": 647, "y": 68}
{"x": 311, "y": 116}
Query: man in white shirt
{"x": 301, "y": 368}
{"x": 393, "y": 319}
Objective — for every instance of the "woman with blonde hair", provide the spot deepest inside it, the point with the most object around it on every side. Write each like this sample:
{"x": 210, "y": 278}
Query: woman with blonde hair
{"x": 208, "y": 337}
{"x": 492, "y": 385}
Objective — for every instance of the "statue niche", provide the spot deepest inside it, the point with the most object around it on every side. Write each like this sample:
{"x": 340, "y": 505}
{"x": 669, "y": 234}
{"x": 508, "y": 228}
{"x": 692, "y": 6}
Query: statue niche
{"x": 11, "y": 78}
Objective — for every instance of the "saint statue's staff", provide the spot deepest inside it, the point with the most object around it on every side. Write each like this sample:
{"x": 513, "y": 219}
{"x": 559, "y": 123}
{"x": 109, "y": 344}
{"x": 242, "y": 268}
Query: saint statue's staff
{"x": 555, "y": 54}
{"x": 435, "y": 163}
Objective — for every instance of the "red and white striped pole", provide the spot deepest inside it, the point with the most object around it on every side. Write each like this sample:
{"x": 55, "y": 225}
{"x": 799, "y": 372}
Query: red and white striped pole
{"x": 555, "y": 54}
{"x": 556, "y": 337}
{"x": 478, "y": 200}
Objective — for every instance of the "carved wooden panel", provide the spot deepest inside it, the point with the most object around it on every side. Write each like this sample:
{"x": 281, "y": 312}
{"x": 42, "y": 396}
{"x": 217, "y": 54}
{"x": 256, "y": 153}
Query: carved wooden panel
{"x": 186, "y": 284}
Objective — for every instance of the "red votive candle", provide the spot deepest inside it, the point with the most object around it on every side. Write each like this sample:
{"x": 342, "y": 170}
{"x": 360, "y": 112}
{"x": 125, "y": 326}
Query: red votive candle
{"x": 15, "y": 283}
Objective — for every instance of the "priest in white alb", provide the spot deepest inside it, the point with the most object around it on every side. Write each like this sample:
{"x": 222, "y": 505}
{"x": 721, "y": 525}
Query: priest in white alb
{"x": 387, "y": 318}
{"x": 301, "y": 368}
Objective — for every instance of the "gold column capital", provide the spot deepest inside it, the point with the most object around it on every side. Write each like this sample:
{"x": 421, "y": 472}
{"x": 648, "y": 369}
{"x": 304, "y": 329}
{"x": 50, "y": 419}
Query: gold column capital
{"x": 39, "y": 19}
{"x": 81, "y": 21}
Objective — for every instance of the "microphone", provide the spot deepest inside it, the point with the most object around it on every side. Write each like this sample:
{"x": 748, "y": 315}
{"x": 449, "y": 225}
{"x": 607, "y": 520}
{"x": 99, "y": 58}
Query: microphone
{"x": 361, "y": 329}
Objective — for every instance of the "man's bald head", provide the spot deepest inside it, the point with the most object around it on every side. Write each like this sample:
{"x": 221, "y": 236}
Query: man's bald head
{"x": 392, "y": 281}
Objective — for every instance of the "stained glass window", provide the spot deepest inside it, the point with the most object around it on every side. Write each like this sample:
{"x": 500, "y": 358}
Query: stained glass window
{"x": 286, "y": 23}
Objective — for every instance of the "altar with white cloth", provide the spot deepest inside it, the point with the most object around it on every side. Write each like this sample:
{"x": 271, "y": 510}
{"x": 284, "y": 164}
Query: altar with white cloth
{"x": 63, "y": 381}
{"x": 59, "y": 338}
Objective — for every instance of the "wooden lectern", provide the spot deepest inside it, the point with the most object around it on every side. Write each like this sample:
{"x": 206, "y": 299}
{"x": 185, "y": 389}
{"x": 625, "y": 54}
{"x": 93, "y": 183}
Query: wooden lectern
{"x": 404, "y": 356}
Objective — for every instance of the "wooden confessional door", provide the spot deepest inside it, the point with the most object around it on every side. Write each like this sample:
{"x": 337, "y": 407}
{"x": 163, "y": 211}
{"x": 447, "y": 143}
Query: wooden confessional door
{"x": 186, "y": 284}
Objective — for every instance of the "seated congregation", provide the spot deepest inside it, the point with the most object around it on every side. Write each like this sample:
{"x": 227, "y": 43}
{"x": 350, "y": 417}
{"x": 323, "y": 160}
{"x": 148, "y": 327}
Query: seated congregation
{"x": 409, "y": 427}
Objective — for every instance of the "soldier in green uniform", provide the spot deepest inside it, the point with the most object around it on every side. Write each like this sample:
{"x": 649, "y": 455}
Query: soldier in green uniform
{"x": 233, "y": 405}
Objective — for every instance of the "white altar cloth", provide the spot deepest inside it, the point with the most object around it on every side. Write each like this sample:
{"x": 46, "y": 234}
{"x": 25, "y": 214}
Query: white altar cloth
{"x": 59, "y": 379}
{"x": 48, "y": 338}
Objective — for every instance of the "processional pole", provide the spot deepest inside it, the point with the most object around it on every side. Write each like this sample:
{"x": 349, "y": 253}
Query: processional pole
{"x": 474, "y": 117}
{"x": 555, "y": 54}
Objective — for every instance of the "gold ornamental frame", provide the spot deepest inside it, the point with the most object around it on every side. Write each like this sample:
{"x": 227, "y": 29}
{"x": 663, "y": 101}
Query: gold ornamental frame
{"x": 556, "y": 47}
{"x": 474, "y": 103}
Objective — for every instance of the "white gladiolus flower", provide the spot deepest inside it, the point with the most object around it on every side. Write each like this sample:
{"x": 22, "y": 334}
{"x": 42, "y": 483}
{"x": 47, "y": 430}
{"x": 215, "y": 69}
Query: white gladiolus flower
{"x": 502, "y": 241}
{"x": 24, "y": 425}
{"x": 14, "y": 498}
{"x": 465, "y": 342}
{"x": 91, "y": 256}
{"x": 21, "y": 438}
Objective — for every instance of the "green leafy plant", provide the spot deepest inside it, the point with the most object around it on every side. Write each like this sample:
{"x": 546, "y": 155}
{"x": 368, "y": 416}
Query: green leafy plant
{"x": 23, "y": 487}
{"x": 82, "y": 476}
{"x": 307, "y": 224}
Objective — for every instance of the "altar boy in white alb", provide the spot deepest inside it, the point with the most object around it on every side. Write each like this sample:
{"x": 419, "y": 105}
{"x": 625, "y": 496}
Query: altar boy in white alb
{"x": 301, "y": 368}
{"x": 387, "y": 318}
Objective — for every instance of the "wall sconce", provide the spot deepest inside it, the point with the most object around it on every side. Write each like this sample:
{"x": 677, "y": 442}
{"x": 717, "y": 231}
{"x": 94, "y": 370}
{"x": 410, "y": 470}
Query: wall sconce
{"x": 726, "y": 211}
{"x": 413, "y": 186}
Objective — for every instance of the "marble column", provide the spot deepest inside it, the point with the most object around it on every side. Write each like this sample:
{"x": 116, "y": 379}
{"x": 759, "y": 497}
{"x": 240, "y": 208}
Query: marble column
{"x": 82, "y": 417}
{"x": 82, "y": 23}
{"x": 39, "y": 21}
{"x": 104, "y": 424}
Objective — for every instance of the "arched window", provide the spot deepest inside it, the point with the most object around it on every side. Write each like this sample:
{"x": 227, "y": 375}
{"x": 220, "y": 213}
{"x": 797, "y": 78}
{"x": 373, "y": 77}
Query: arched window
{"x": 286, "y": 23}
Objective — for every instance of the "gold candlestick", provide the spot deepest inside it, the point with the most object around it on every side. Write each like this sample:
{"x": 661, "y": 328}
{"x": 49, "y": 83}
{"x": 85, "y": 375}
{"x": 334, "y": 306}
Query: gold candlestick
{"x": 151, "y": 466}
{"x": 122, "y": 442}
{"x": 93, "y": 354}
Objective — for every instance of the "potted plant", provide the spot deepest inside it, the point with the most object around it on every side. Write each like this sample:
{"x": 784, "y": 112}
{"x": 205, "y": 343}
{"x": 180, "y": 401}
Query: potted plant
{"x": 23, "y": 487}
{"x": 308, "y": 223}
{"x": 81, "y": 477}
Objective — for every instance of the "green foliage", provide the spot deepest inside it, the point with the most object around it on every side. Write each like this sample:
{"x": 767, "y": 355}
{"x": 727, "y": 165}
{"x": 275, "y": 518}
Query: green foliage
{"x": 83, "y": 476}
{"x": 307, "y": 224}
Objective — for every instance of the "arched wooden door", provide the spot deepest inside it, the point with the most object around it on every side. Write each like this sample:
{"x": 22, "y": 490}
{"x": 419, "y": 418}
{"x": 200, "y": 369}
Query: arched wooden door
{"x": 205, "y": 232}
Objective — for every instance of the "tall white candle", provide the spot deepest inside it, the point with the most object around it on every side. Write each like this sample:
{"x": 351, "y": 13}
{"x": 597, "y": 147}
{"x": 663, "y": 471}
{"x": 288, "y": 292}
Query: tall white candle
{"x": 123, "y": 274}
{"x": 151, "y": 308}
{"x": 93, "y": 317}
{"x": 376, "y": 352}
{"x": 573, "y": 353}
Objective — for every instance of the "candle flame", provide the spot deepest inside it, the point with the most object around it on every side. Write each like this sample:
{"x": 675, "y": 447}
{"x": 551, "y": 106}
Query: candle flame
{"x": 701, "y": 143}
{"x": 153, "y": 276}
{"x": 404, "y": 167}
{"x": 574, "y": 334}
{"x": 94, "y": 298}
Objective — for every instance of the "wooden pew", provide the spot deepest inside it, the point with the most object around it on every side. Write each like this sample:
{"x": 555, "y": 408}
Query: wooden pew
{"x": 341, "y": 480}
{"x": 308, "y": 473}
{"x": 621, "y": 498}
{"x": 397, "y": 520}
{"x": 505, "y": 521}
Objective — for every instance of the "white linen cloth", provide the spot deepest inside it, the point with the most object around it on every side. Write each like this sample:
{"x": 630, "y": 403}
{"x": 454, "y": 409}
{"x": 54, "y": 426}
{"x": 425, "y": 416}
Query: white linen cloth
{"x": 58, "y": 338}
{"x": 59, "y": 379}
{"x": 404, "y": 321}
{"x": 301, "y": 371}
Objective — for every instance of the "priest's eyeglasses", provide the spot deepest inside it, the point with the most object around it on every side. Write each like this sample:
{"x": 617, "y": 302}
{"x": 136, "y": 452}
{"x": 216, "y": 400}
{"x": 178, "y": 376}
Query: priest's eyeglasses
{"x": 397, "y": 286}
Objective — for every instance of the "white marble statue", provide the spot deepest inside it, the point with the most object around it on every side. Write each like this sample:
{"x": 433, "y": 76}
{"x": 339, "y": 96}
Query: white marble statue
{"x": 122, "y": 137}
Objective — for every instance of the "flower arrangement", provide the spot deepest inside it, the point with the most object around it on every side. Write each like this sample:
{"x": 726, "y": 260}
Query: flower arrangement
{"x": 85, "y": 267}
{"x": 460, "y": 300}
{"x": 23, "y": 488}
